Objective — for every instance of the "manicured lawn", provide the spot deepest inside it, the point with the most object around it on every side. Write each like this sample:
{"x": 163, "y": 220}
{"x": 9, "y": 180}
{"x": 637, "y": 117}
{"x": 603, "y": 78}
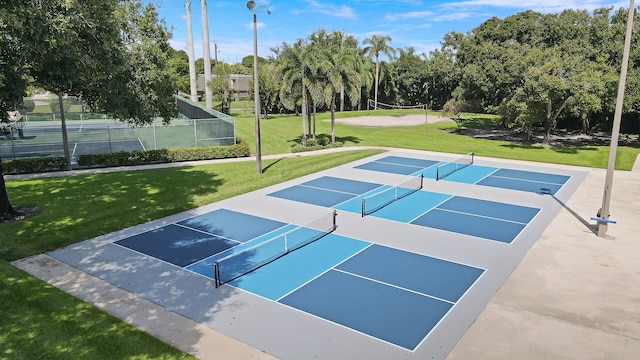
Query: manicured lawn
{"x": 280, "y": 132}
{"x": 41, "y": 322}
{"x": 38, "y": 321}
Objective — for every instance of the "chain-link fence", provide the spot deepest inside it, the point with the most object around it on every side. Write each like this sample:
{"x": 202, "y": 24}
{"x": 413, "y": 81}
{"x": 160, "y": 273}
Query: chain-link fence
{"x": 94, "y": 134}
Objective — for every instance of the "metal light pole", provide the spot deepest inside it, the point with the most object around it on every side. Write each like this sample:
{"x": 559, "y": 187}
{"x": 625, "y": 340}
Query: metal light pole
{"x": 603, "y": 214}
{"x": 252, "y": 6}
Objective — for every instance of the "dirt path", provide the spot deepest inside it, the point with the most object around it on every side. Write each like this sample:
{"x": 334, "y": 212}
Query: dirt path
{"x": 387, "y": 120}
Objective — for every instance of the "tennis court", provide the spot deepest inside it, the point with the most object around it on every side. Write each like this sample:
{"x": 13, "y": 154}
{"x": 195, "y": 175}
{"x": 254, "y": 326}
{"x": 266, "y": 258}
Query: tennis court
{"x": 297, "y": 271}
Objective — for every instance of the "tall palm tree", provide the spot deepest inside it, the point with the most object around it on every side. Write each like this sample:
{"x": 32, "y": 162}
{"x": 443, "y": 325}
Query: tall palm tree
{"x": 338, "y": 42}
{"x": 299, "y": 66}
{"x": 340, "y": 69}
{"x": 378, "y": 44}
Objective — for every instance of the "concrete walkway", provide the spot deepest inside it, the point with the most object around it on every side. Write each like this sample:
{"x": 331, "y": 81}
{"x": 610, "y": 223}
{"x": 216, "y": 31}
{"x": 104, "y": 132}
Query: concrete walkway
{"x": 573, "y": 296}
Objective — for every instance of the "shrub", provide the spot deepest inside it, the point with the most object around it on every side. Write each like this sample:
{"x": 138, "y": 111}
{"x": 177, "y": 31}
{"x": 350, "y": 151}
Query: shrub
{"x": 34, "y": 165}
{"x": 141, "y": 157}
{"x": 128, "y": 158}
{"x": 301, "y": 148}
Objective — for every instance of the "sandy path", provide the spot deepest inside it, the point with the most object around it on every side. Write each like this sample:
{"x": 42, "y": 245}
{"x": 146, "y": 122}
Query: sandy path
{"x": 387, "y": 120}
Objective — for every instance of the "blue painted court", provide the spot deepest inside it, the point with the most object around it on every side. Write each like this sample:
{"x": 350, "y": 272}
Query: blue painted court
{"x": 521, "y": 180}
{"x": 369, "y": 260}
{"x": 337, "y": 278}
{"x": 481, "y": 218}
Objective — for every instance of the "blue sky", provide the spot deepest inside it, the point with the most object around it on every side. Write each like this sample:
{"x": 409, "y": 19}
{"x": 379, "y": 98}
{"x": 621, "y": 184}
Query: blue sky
{"x": 416, "y": 23}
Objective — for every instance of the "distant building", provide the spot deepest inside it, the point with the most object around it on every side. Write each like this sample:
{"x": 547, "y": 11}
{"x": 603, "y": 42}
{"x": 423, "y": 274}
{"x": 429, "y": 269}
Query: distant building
{"x": 239, "y": 84}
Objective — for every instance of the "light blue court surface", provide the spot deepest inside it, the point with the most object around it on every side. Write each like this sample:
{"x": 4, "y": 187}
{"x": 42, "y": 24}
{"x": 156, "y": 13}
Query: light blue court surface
{"x": 521, "y": 180}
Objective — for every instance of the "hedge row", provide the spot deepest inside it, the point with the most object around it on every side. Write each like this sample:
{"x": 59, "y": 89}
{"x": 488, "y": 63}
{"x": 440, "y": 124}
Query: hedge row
{"x": 36, "y": 165}
{"x": 301, "y": 148}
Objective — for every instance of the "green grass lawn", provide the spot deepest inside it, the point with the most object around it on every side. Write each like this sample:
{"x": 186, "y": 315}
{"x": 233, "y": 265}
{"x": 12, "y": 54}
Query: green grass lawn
{"x": 280, "y": 132}
{"x": 38, "y": 321}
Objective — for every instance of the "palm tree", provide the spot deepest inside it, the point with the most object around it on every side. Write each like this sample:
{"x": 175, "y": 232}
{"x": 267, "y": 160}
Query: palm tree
{"x": 299, "y": 66}
{"x": 377, "y": 45}
{"x": 340, "y": 69}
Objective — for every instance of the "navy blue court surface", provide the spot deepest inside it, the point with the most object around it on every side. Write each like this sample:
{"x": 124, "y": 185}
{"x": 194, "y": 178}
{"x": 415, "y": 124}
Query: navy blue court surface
{"x": 404, "y": 281}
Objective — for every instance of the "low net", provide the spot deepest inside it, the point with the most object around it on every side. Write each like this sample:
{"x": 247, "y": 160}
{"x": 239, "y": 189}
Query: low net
{"x": 444, "y": 170}
{"x": 377, "y": 201}
{"x": 372, "y": 104}
{"x": 241, "y": 263}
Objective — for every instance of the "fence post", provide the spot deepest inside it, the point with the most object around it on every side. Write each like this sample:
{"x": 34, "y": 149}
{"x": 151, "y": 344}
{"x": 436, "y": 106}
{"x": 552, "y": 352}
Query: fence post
{"x": 155, "y": 139}
{"x": 109, "y": 135}
{"x": 195, "y": 131}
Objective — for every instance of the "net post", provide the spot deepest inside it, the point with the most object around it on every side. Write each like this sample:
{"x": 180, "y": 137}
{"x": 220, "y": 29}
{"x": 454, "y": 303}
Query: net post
{"x": 426, "y": 113}
{"x": 216, "y": 274}
{"x": 421, "y": 181}
{"x": 473, "y": 155}
{"x": 335, "y": 223}
{"x": 437, "y": 173}
{"x": 286, "y": 243}
{"x": 363, "y": 207}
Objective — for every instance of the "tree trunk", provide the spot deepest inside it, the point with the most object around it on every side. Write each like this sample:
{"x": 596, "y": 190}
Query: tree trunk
{"x": 314, "y": 119}
{"x": 7, "y": 212}
{"x": 341, "y": 98}
{"x": 547, "y": 125}
{"x": 551, "y": 120}
{"x": 304, "y": 119}
{"x": 65, "y": 138}
{"x": 333, "y": 120}
{"x": 375, "y": 95}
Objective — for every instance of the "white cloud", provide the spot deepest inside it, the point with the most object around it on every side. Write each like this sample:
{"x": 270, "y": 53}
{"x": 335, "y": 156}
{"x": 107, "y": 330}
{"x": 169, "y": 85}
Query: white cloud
{"x": 409, "y": 15}
{"x": 341, "y": 11}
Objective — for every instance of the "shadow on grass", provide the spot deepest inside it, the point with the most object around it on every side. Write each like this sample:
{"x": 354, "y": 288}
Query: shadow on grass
{"x": 75, "y": 208}
{"x": 522, "y": 146}
{"x": 481, "y": 122}
{"x": 572, "y": 149}
{"x": 558, "y": 149}
{"x": 266, "y": 168}
{"x": 347, "y": 140}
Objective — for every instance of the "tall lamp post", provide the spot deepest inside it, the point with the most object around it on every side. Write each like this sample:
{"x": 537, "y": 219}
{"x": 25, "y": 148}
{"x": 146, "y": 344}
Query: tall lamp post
{"x": 603, "y": 213}
{"x": 252, "y": 6}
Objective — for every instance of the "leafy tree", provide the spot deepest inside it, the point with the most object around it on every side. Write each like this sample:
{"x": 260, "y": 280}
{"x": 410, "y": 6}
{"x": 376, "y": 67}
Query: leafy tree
{"x": 111, "y": 53}
{"x": 378, "y": 44}
{"x": 342, "y": 43}
{"x": 299, "y": 67}
{"x": 220, "y": 86}
{"x": 444, "y": 70}
{"x": 270, "y": 78}
{"x": 410, "y": 77}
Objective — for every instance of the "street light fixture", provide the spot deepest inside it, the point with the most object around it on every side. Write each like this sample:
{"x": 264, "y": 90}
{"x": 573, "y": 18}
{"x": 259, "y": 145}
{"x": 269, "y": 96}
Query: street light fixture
{"x": 252, "y": 6}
